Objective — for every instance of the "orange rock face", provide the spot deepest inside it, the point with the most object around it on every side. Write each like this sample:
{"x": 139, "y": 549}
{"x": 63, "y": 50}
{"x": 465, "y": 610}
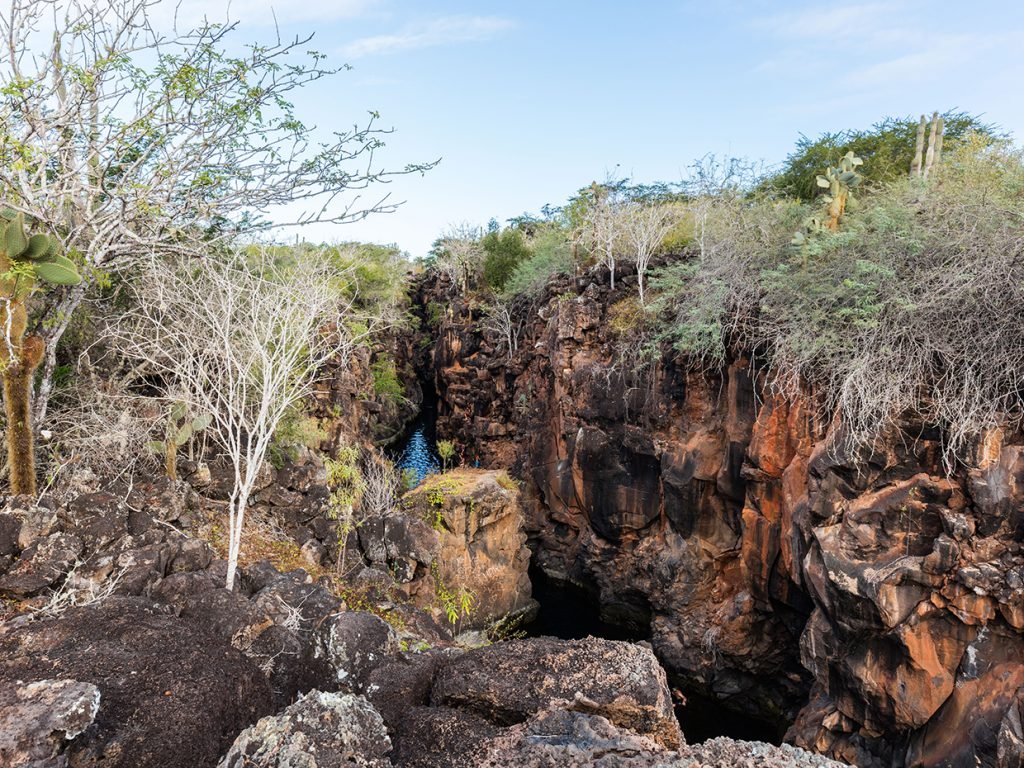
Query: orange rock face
{"x": 868, "y": 598}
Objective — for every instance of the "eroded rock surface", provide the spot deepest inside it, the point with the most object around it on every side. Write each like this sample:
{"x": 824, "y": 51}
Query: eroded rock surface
{"x": 870, "y": 596}
{"x": 172, "y": 693}
{"x": 37, "y": 720}
{"x": 508, "y": 682}
{"x": 459, "y": 535}
{"x": 320, "y": 730}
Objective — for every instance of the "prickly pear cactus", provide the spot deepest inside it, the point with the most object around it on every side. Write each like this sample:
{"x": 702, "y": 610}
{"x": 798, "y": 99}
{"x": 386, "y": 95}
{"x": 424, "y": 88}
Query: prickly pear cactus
{"x": 178, "y": 432}
{"x": 25, "y": 261}
{"x": 839, "y": 182}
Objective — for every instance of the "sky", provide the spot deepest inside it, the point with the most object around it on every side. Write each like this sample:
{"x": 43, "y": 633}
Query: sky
{"x": 525, "y": 102}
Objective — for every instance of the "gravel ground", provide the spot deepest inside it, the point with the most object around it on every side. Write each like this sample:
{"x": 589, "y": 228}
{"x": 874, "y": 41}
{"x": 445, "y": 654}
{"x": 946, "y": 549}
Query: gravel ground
{"x": 727, "y": 753}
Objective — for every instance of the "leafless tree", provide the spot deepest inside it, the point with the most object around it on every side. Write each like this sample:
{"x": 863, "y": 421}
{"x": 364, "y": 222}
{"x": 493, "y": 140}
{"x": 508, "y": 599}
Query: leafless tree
{"x": 501, "y": 320}
{"x": 240, "y": 340}
{"x": 601, "y": 229}
{"x": 381, "y": 486}
{"x": 460, "y": 254}
{"x": 127, "y": 141}
{"x": 644, "y": 226}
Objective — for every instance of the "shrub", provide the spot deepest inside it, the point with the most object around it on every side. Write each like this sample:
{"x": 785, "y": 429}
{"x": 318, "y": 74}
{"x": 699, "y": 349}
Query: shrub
{"x": 911, "y": 307}
{"x": 297, "y": 430}
{"x": 551, "y": 257}
{"x": 446, "y": 450}
{"x": 887, "y": 149}
{"x": 504, "y": 250}
{"x": 386, "y": 384}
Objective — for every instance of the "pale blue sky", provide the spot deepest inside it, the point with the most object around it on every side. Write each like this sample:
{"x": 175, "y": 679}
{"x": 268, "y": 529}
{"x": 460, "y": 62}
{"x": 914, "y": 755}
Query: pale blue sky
{"x": 526, "y": 102}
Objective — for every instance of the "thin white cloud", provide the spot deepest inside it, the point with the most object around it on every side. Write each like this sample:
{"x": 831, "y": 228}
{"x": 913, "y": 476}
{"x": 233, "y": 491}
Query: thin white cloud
{"x": 908, "y": 69}
{"x": 844, "y": 21}
{"x": 443, "y": 31}
{"x": 868, "y": 46}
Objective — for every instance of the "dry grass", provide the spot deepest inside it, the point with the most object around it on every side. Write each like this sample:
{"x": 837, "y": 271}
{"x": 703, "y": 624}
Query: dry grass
{"x": 262, "y": 539}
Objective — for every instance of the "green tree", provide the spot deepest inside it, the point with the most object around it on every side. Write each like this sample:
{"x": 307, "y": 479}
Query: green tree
{"x": 887, "y": 148}
{"x": 446, "y": 450}
{"x": 504, "y": 250}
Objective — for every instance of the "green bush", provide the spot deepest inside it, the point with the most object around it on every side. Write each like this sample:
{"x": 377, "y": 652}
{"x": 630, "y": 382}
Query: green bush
{"x": 551, "y": 257}
{"x": 504, "y": 250}
{"x": 911, "y": 307}
{"x": 386, "y": 384}
{"x": 297, "y": 430}
{"x": 887, "y": 149}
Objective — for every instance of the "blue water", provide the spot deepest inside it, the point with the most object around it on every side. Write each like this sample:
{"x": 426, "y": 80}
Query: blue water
{"x": 419, "y": 453}
{"x": 417, "y": 449}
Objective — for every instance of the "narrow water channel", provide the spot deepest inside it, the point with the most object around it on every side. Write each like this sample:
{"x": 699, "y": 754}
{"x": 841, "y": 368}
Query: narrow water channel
{"x": 415, "y": 452}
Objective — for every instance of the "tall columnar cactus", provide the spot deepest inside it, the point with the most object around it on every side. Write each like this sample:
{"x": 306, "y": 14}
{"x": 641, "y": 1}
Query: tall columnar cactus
{"x": 24, "y": 261}
{"x": 924, "y": 163}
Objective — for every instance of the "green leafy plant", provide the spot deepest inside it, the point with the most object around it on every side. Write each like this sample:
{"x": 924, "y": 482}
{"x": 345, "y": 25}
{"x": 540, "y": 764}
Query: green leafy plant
{"x": 297, "y": 430}
{"x": 409, "y": 478}
{"x": 25, "y": 262}
{"x": 178, "y": 432}
{"x": 446, "y": 450}
{"x": 456, "y": 603}
{"x": 386, "y": 384}
{"x": 346, "y": 485}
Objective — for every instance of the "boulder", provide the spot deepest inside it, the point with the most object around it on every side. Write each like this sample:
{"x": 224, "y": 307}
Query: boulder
{"x": 37, "y": 720}
{"x": 568, "y": 739}
{"x": 466, "y": 529}
{"x": 508, "y": 682}
{"x": 354, "y": 643}
{"x": 44, "y": 563}
{"x": 173, "y": 694}
{"x": 320, "y": 730}
{"x": 441, "y": 737}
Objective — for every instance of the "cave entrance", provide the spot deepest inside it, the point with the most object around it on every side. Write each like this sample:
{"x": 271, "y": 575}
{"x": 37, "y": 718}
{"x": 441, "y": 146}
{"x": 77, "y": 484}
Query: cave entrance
{"x": 415, "y": 452}
{"x": 571, "y": 612}
{"x": 704, "y": 717}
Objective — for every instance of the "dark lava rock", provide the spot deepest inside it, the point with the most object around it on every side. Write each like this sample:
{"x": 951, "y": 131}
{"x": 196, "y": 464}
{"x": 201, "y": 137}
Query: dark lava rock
{"x": 44, "y": 563}
{"x": 508, "y": 682}
{"x": 401, "y": 683}
{"x": 439, "y": 737}
{"x": 173, "y": 694}
{"x": 10, "y": 527}
{"x": 99, "y": 519}
{"x": 37, "y": 720}
{"x": 320, "y": 730}
{"x": 290, "y": 597}
{"x": 355, "y": 643}
{"x": 570, "y": 739}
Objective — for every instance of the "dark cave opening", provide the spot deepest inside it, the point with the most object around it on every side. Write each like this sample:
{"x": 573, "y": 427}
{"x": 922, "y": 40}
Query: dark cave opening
{"x": 704, "y": 717}
{"x": 571, "y": 612}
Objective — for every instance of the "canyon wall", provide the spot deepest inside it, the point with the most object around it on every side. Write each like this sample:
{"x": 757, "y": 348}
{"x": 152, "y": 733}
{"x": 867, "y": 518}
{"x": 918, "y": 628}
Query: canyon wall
{"x": 868, "y": 600}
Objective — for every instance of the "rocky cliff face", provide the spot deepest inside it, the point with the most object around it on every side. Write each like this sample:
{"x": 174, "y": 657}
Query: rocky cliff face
{"x": 869, "y": 600}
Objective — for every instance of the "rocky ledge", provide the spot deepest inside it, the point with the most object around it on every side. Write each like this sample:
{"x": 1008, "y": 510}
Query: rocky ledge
{"x": 121, "y": 648}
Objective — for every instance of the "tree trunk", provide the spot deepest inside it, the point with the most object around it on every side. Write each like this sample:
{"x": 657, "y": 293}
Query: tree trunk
{"x": 235, "y": 536}
{"x": 52, "y": 336}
